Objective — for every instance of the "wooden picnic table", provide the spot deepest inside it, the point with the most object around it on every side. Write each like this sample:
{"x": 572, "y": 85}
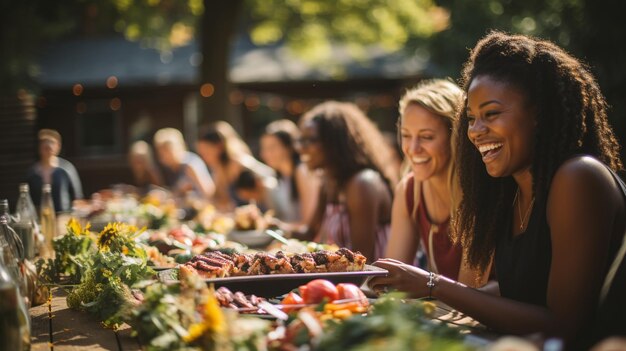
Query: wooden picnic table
{"x": 57, "y": 327}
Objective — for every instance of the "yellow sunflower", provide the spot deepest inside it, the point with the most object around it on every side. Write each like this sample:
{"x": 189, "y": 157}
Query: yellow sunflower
{"x": 107, "y": 235}
{"x": 213, "y": 321}
{"x": 74, "y": 227}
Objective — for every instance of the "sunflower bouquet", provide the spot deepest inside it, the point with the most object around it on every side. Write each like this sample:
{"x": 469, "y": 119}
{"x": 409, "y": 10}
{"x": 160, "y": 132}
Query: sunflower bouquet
{"x": 116, "y": 264}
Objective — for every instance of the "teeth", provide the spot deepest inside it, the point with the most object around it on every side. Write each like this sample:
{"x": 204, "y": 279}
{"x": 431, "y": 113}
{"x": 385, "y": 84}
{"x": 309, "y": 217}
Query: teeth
{"x": 487, "y": 147}
{"x": 418, "y": 160}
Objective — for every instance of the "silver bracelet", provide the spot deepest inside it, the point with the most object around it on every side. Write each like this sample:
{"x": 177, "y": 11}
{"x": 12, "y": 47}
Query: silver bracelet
{"x": 430, "y": 284}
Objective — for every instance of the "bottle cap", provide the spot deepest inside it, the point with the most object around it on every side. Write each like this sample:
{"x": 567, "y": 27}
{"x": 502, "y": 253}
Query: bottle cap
{"x": 23, "y": 187}
{"x": 46, "y": 188}
{"x": 4, "y": 206}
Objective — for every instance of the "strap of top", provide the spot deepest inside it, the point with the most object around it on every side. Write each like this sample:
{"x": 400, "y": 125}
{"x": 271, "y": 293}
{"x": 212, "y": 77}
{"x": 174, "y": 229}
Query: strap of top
{"x": 409, "y": 195}
{"x": 619, "y": 258}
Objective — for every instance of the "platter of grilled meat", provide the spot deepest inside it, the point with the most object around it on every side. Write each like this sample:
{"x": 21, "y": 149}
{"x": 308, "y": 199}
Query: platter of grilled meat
{"x": 269, "y": 275}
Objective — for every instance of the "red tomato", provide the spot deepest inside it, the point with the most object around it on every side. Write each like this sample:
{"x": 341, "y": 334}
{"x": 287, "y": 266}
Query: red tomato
{"x": 291, "y": 299}
{"x": 317, "y": 290}
{"x": 350, "y": 291}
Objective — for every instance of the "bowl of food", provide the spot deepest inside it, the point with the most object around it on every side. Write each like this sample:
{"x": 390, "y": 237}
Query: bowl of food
{"x": 251, "y": 238}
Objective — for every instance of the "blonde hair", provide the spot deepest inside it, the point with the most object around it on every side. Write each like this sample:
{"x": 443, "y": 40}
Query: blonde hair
{"x": 142, "y": 149}
{"x": 172, "y": 138}
{"x": 444, "y": 99}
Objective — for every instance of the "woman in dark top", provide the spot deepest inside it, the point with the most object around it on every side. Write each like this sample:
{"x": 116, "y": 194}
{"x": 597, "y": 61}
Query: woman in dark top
{"x": 535, "y": 155}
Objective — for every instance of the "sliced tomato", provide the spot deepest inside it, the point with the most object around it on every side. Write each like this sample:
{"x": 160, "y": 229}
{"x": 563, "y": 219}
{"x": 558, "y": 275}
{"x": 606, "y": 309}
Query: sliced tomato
{"x": 291, "y": 299}
{"x": 318, "y": 290}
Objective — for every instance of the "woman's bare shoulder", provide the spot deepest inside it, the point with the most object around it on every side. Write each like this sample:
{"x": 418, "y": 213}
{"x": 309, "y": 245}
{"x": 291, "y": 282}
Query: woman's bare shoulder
{"x": 585, "y": 180}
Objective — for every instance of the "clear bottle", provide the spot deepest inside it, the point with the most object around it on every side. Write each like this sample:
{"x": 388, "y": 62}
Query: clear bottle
{"x": 12, "y": 240}
{"x": 48, "y": 222}
{"x": 14, "y": 319}
{"x": 26, "y": 222}
{"x": 4, "y": 209}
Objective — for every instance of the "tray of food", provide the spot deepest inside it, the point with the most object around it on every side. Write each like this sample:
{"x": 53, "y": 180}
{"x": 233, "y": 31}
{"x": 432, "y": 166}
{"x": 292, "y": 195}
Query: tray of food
{"x": 269, "y": 275}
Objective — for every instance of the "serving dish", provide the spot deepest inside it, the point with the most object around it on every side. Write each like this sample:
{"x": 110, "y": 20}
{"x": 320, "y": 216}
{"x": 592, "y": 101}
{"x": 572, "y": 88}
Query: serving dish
{"x": 272, "y": 285}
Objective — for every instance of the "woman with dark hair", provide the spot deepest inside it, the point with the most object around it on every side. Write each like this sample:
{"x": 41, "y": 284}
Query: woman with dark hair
{"x": 297, "y": 187}
{"x": 227, "y": 155}
{"x": 354, "y": 207}
{"x": 537, "y": 162}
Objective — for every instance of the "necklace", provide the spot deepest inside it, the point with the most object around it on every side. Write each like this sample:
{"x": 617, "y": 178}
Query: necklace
{"x": 522, "y": 220}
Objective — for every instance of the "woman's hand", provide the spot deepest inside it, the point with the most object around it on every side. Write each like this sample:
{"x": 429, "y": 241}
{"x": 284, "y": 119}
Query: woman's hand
{"x": 402, "y": 277}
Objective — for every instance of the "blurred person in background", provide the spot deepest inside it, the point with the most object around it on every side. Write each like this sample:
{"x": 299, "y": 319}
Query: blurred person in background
{"x": 227, "y": 155}
{"x": 184, "y": 173}
{"x": 354, "y": 206}
{"x": 429, "y": 193}
{"x": 142, "y": 164}
{"x": 54, "y": 170}
{"x": 297, "y": 188}
{"x": 263, "y": 192}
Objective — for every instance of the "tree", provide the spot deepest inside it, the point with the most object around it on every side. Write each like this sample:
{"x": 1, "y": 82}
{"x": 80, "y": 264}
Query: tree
{"x": 592, "y": 30}
{"x": 308, "y": 27}
{"x": 443, "y": 31}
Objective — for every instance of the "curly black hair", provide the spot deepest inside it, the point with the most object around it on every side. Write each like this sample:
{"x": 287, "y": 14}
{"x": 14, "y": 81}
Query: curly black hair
{"x": 571, "y": 118}
{"x": 351, "y": 141}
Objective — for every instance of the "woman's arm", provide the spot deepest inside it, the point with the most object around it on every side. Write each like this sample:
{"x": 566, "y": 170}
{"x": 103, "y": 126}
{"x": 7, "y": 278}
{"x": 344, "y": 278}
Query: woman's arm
{"x": 584, "y": 208}
{"x": 504, "y": 315}
{"x": 363, "y": 202}
{"x": 404, "y": 237}
{"x": 204, "y": 184}
{"x": 308, "y": 187}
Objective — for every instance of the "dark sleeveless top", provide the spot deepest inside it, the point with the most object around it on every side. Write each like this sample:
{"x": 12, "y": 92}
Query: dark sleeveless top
{"x": 447, "y": 257}
{"x": 523, "y": 265}
{"x": 523, "y": 261}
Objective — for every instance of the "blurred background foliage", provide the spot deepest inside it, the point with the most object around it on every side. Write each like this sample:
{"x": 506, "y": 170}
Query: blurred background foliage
{"x": 442, "y": 30}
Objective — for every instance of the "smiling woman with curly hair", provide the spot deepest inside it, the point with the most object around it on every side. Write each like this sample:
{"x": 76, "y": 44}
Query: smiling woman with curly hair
{"x": 537, "y": 162}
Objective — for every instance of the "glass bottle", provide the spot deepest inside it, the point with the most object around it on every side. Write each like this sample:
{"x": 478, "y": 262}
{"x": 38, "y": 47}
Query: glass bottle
{"x": 48, "y": 222}
{"x": 26, "y": 222}
{"x": 12, "y": 240}
{"x": 4, "y": 208}
{"x": 14, "y": 319}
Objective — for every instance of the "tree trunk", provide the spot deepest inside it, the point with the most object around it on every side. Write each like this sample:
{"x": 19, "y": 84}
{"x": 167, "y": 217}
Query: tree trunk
{"x": 218, "y": 27}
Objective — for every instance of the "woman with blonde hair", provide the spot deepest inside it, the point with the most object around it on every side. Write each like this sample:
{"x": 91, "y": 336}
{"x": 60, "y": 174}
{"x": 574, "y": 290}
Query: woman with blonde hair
{"x": 428, "y": 194}
{"x": 142, "y": 165}
{"x": 183, "y": 170}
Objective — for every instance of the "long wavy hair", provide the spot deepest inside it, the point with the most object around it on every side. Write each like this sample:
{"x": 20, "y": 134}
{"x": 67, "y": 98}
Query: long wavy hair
{"x": 222, "y": 133}
{"x": 350, "y": 141}
{"x": 570, "y": 116}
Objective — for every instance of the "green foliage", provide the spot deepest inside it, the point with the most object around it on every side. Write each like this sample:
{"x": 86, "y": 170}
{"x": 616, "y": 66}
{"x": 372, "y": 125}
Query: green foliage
{"x": 157, "y": 322}
{"x": 72, "y": 256}
{"x": 393, "y": 324}
{"x": 310, "y": 28}
{"x": 157, "y": 23}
